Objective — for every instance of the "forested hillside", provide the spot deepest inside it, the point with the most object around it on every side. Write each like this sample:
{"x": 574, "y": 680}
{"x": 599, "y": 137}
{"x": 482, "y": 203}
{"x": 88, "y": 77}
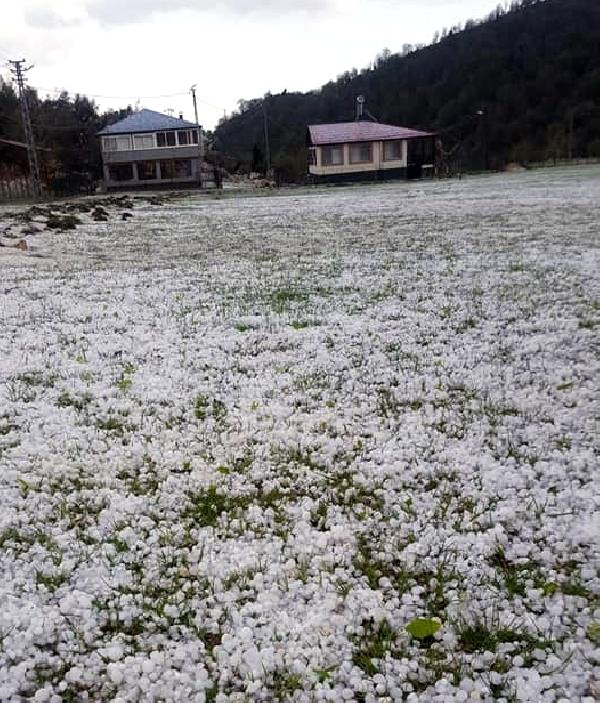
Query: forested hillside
{"x": 522, "y": 85}
{"x": 66, "y": 128}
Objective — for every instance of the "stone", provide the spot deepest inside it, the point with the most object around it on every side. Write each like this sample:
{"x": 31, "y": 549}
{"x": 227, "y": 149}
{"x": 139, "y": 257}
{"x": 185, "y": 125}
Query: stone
{"x": 100, "y": 215}
{"x": 63, "y": 222}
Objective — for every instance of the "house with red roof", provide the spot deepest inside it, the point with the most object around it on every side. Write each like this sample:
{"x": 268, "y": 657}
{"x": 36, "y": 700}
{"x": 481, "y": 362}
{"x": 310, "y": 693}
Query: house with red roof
{"x": 363, "y": 150}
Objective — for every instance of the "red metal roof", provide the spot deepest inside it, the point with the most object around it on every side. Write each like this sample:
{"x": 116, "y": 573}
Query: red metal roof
{"x": 360, "y": 131}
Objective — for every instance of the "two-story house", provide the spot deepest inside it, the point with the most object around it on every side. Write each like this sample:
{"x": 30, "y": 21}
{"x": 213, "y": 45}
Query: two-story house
{"x": 150, "y": 150}
{"x": 362, "y": 150}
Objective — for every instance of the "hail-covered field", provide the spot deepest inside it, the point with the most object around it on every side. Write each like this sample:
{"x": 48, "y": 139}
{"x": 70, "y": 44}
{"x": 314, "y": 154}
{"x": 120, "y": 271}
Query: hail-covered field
{"x": 336, "y": 445}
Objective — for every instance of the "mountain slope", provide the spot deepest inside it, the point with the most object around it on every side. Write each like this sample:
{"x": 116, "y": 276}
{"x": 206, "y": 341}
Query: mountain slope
{"x": 534, "y": 73}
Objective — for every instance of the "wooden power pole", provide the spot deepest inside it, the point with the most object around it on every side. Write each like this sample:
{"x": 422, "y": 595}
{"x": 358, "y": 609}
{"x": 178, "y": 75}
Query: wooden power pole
{"x": 18, "y": 72}
{"x": 267, "y": 142}
{"x": 200, "y": 141}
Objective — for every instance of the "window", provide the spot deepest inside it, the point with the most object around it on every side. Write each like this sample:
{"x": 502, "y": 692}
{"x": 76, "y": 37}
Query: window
{"x": 120, "y": 172}
{"x": 183, "y": 138}
{"x": 146, "y": 170}
{"x": 361, "y": 153}
{"x": 392, "y": 151}
{"x": 175, "y": 168}
{"x": 165, "y": 139}
{"x": 194, "y": 136}
{"x": 332, "y": 155}
{"x": 166, "y": 169}
{"x": 183, "y": 168}
{"x": 120, "y": 143}
{"x": 143, "y": 141}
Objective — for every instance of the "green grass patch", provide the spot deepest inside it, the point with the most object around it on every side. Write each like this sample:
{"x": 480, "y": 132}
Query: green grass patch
{"x": 284, "y": 298}
{"x": 205, "y": 407}
{"x": 373, "y": 645}
{"x": 66, "y": 400}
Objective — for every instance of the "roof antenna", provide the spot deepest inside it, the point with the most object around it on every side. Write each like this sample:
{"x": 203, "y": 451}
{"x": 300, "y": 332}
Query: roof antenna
{"x": 360, "y": 103}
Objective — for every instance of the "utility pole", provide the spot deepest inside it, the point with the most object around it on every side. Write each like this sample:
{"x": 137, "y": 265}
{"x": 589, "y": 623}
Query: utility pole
{"x": 267, "y": 143}
{"x": 200, "y": 140}
{"x": 481, "y": 114}
{"x": 571, "y": 125}
{"x": 17, "y": 70}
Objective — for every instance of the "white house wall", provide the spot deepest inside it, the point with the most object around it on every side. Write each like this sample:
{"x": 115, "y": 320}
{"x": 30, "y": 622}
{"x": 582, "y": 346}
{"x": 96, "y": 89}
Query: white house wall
{"x": 163, "y": 153}
{"x": 377, "y": 164}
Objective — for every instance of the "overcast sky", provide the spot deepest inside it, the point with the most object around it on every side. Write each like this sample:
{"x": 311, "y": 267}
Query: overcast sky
{"x": 137, "y": 50}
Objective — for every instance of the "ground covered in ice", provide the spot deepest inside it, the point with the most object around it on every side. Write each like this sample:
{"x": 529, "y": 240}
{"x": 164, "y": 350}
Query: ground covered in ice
{"x": 334, "y": 445}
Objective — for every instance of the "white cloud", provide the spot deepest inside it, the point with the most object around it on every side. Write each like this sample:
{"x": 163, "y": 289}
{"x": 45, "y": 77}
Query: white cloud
{"x": 40, "y": 17}
{"x": 118, "y": 12}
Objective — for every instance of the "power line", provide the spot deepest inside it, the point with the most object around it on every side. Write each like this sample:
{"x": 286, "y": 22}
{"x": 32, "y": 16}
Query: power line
{"x": 214, "y": 107}
{"x": 109, "y": 97}
{"x": 126, "y": 97}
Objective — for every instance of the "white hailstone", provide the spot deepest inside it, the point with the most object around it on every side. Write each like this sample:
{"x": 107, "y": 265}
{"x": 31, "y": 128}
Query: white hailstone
{"x": 245, "y": 634}
{"x": 171, "y": 611}
{"x": 253, "y": 687}
{"x": 252, "y": 659}
{"x": 467, "y": 685}
{"x": 228, "y": 642}
{"x": 115, "y": 674}
{"x": 588, "y": 573}
{"x": 114, "y": 652}
{"x": 148, "y": 666}
{"x": 74, "y": 674}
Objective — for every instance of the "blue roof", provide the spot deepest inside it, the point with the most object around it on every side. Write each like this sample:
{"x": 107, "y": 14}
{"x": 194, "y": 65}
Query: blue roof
{"x": 146, "y": 121}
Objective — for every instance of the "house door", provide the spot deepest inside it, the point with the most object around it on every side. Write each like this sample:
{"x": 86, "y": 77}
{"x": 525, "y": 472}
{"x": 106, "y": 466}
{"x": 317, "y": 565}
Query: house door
{"x": 420, "y": 151}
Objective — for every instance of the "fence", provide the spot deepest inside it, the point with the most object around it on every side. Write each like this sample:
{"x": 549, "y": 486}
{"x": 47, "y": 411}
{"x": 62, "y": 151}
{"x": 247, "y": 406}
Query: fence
{"x": 578, "y": 161}
{"x": 16, "y": 189}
